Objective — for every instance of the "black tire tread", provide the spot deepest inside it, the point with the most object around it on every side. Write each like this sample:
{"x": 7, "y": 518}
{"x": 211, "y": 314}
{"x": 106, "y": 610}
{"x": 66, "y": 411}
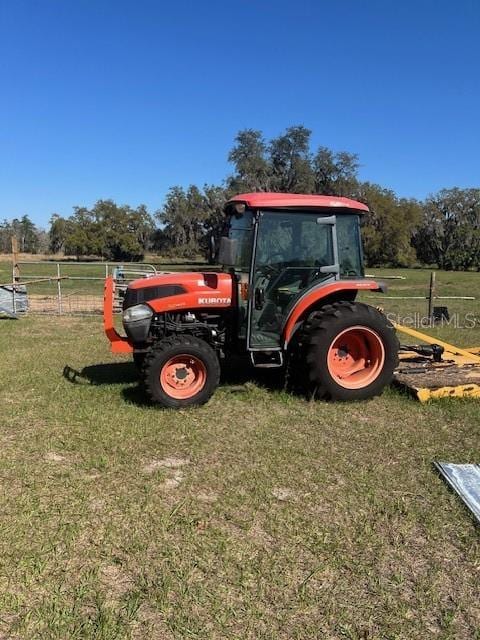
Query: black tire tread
{"x": 316, "y": 331}
{"x": 161, "y": 350}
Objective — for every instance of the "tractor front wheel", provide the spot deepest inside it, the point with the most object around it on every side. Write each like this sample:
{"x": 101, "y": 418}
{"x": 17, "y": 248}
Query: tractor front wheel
{"x": 181, "y": 371}
{"x": 139, "y": 359}
{"x": 351, "y": 352}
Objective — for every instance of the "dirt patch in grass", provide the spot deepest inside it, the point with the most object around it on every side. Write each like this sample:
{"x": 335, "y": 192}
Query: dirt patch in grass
{"x": 51, "y": 456}
{"x": 71, "y": 303}
{"x": 174, "y": 481}
{"x": 282, "y": 493}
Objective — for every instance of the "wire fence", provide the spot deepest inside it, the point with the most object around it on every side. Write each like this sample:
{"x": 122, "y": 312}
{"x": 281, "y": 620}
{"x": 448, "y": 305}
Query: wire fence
{"x": 57, "y": 288}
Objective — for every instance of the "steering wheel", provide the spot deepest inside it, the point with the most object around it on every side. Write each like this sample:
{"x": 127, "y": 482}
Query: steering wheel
{"x": 273, "y": 269}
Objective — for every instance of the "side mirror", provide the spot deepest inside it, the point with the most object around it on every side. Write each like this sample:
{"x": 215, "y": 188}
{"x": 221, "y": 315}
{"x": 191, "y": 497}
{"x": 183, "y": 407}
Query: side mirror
{"x": 227, "y": 252}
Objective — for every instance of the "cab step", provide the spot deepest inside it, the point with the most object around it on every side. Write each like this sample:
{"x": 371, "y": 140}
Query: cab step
{"x": 266, "y": 359}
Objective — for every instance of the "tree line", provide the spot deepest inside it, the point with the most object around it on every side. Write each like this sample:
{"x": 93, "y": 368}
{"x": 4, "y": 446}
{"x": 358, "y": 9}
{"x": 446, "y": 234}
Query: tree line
{"x": 30, "y": 238}
{"x": 444, "y": 229}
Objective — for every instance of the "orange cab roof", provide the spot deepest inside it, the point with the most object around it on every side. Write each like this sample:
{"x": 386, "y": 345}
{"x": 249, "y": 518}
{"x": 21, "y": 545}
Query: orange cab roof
{"x": 267, "y": 200}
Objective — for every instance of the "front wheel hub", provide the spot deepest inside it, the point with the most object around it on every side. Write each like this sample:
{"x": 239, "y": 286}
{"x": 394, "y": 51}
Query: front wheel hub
{"x": 183, "y": 376}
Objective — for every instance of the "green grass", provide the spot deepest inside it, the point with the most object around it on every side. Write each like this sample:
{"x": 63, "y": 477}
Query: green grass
{"x": 259, "y": 515}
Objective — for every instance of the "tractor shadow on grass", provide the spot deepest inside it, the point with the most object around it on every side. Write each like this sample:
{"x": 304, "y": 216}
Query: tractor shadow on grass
{"x": 97, "y": 374}
{"x": 238, "y": 372}
{"x": 235, "y": 378}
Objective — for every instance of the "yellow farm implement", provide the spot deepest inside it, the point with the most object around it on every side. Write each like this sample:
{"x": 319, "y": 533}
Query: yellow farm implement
{"x": 440, "y": 370}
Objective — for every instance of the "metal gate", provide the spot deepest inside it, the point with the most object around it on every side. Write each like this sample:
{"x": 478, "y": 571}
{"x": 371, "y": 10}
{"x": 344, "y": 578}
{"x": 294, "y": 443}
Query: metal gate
{"x": 58, "y": 288}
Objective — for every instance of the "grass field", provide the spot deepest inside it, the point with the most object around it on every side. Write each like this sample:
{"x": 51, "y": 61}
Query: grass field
{"x": 259, "y": 515}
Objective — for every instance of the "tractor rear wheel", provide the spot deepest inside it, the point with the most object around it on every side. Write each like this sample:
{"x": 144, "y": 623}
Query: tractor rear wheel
{"x": 350, "y": 352}
{"x": 181, "y": 371}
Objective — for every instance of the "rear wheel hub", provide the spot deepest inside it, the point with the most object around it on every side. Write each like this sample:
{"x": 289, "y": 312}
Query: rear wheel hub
{"x": 356, "y": 357}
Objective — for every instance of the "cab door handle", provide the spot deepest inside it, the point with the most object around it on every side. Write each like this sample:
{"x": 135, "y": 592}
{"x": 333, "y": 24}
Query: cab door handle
{"x": 259, "y": 298}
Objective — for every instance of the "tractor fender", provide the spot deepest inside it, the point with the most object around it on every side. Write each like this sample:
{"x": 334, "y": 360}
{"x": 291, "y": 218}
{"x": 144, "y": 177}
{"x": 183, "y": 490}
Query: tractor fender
{"x": 340, "y": 289}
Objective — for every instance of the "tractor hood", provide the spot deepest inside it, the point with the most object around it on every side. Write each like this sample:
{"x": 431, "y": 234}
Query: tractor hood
{"x": 181, "y": 290}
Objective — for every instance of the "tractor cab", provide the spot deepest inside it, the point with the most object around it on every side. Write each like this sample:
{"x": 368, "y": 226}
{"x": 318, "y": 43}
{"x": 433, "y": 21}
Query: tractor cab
{"x": 280, "y": 246}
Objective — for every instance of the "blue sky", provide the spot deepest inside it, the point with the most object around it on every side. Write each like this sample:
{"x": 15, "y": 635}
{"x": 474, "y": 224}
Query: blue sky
{"x": 115, "y": 99}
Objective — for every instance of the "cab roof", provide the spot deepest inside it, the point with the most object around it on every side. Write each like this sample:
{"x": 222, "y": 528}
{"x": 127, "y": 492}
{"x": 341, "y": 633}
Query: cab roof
{"x": 268, "y": 200}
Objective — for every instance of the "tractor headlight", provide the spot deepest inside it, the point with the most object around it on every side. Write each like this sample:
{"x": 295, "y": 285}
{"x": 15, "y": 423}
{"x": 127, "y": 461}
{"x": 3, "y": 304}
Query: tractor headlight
{"x": 136, "y": 313}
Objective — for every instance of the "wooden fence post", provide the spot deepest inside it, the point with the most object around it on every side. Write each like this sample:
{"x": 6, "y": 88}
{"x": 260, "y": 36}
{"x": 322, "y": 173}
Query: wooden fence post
{"x": 431, "y": 295}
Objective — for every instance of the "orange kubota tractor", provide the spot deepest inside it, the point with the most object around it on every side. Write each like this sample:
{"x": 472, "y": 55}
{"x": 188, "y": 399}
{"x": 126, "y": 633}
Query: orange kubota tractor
{"x": 292, "y": 268}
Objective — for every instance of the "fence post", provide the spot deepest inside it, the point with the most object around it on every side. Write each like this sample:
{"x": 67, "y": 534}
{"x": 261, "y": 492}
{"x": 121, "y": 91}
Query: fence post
{"x": 15, "y": 272}
{"x": 431, "y": 295}
{"x": 59, "y": 290}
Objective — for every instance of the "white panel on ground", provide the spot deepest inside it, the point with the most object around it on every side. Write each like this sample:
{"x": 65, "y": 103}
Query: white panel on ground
{"x": 465, "y": 480}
